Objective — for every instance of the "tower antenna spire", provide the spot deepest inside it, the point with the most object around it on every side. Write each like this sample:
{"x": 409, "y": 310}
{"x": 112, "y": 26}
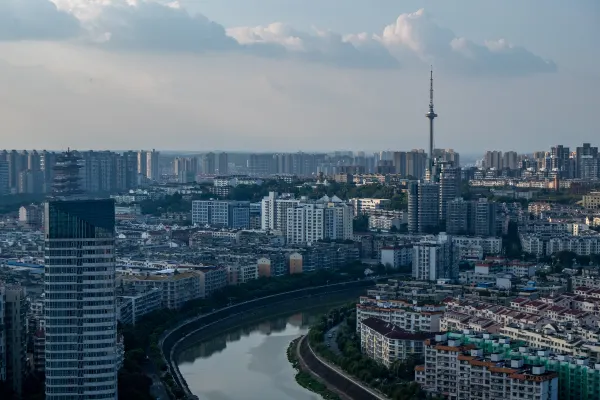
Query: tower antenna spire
{"x": 431, "y": 115}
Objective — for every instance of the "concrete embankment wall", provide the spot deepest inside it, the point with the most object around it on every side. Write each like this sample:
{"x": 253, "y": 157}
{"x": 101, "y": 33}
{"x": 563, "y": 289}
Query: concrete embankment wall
{"x": 175, "y": 339}
{"x": 332, "y": 377}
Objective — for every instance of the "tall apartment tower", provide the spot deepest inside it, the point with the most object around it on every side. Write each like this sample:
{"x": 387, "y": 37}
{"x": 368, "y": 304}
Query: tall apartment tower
{"x": 428, "y": 206}
{"x": 79, "y": 307}
{"x": 510, "y": 160}
{"x": 152, "y": 165}
{"x": 222, "y": 164}
{"x": 413, "y": 206}
{"x": 209, "y": 163}
{"x": 142, "y": 165}
{"x": 15, "y": 327}
{"x": 457, "y": 217}
{"x": 449, "y": 186}
{"x": 4, "y": 188}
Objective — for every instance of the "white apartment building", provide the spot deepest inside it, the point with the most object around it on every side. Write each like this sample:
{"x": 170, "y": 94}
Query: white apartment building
{"x": 387, "y": 343}
{"x": 397, "y": 256}
{"x": 364, "y": 205}
{"x": 488, "y": 245}
{"x": 327, "y": 218}
{"x": 405, "y": 315}
{"x": 274, "y": 211}
{"x": 241, "y": 273}
{"x": 211, "y": 279}
{"x": 384, "y": 223}
{"x": 461, "y": 371}
{"x": 134, "y": 305}
{"x": 433, "y": 259}
{"x": 176, "y": 288}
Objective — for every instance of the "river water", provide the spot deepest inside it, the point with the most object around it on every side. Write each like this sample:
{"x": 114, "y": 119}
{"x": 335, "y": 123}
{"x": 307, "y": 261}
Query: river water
{"x": 248, "y": 363}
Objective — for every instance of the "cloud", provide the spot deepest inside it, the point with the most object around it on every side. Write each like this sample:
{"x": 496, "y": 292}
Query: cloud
{"x": 146, "y": 25}
{"x": 35, "y": 20}
{"x": 318, "y": 46}
{"x": 413, "y": 39}
{"x": 416, "y": 34}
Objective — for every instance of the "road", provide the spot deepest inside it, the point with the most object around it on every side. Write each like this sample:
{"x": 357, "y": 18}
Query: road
{"x": 331, "y": 339}
{"x": 157, "y": 390}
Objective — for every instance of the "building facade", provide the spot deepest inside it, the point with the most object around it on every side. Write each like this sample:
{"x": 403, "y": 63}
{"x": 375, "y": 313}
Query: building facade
{"x": 79, "y": 309}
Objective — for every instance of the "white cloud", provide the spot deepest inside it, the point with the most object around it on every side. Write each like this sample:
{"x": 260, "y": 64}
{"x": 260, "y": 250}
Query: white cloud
{"x": 35, "y": 20}
{"x": 165, "y": 26}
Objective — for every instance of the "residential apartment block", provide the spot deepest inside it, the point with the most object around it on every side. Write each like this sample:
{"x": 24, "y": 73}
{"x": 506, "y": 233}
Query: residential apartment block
{"x": 460, "y": 369}
{"x": 406, "y": 315}
{"x": 387, "y": 343}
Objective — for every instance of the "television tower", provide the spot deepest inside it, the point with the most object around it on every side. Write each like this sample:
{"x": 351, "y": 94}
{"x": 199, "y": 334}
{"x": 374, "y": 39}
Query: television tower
{"x": 431, "y": 115}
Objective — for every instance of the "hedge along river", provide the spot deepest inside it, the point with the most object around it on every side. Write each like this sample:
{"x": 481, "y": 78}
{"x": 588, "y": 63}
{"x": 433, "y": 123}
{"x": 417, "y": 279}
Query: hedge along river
{"x": 249, "y": 362}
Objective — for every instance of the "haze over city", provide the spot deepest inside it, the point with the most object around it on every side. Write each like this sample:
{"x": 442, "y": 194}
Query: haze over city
{"x": 292, "y": 75}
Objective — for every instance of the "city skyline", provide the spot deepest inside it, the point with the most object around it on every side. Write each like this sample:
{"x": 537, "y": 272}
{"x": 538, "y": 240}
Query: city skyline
{"x": 278, "y": 86}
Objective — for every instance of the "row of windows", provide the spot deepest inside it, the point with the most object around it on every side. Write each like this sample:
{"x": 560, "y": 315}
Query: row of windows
{"x": 89, "y": 354}
{"x": 74, "y": 277}
{"x": 56, "y": 303}
{"x": 59, "y": 330}
{"x": 79, "y": 261}
{"x": 51, "y": 269}
{"x": 76, "y": 365}
{"x": 64, "y": 244}
{"x": 74, "y": 372}
{"x": 74, "y": 321}
{"x": 52, "y": 295}
{"x": 79, "y": 338}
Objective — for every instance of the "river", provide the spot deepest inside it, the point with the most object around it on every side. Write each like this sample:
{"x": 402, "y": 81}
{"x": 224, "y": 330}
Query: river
{"x": 249, "y": 362}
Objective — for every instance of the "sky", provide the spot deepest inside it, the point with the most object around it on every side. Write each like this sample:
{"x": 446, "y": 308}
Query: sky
{"x": 298, "y": 75}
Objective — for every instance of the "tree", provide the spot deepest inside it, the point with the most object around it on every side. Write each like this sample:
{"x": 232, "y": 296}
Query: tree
{"x": 361, "y": 223}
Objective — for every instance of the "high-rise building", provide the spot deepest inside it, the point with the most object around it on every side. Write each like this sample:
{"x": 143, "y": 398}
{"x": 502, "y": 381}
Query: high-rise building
{"x": 428, "y": 207}
{"x": 2, "y": 339}
{"x": 586, "y": 162}
{"x": 475, "y": 217}
{"x": 47, "y": 161}
{"x": 221, "y": 213}
{"x": 449, "y": 184}
{"x": 483, "y": 215}
{"x": 152, "y": 165}
{"x": 326, "y": 218}
{"x": 448, "y": 156}
{"x": 262, "y": 164}
{"x": 274, "y": 211}
{"x": 79, "y": 304}
{"x": 4, "y": 188}
{"x": 510, "y": 160}
{"x": 17, "y": 163}
{"x": 222, "y": 164}
{"x": 457, "y": 220}
{"x": 560, "y": 159}
{"x": 432, "y": 259}
{"x": 31, "y": 182}
{"x": 80, "y": 314}
{"x": 15, "y": 328}
{"x": 493, "y": 159}
{"x": 413, "y": 206}
{"x": 209, "y": 163}
{"x": 142, "y": 163}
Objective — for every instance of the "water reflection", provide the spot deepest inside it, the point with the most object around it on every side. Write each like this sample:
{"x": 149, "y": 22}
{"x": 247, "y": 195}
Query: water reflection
{"x": 248, "y": 362}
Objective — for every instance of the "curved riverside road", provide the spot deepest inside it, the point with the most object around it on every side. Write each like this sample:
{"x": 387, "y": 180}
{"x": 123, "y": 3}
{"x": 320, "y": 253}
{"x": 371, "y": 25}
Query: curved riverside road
{"x": 172, "y": 339}
{"x": 336, "y": 380}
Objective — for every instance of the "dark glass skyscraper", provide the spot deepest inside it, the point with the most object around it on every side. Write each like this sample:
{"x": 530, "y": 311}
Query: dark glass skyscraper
{"x": 81, "y": 325}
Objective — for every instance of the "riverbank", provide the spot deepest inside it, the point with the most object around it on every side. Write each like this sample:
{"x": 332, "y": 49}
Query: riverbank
{"x": 254, "y": 311}
{"x": 304, "y": 378}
